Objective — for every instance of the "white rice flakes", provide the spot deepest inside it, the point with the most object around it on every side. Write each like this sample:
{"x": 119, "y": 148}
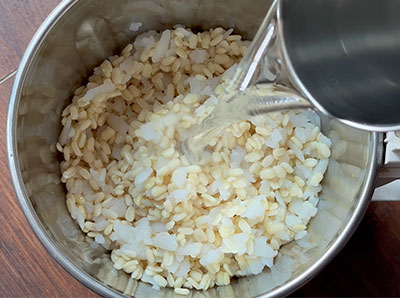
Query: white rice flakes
{"x": 166, "y": 221}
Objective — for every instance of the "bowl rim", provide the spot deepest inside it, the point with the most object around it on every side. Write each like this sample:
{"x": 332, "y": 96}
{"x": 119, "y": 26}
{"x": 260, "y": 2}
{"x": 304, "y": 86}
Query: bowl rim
{"x": 83, "y": 277}
{"x": 13, "y": 162}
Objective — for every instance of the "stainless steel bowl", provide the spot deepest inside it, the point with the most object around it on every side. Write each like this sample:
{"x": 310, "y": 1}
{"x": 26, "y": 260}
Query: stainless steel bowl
{"x": 77, "y": 36}
{"x": 346, "y": 59}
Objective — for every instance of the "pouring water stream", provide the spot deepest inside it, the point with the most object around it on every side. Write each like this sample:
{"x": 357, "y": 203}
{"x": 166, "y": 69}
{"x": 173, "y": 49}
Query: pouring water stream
{"x": 248, "y": 92}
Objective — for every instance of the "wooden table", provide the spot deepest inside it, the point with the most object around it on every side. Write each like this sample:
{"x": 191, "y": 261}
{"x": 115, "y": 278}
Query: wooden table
{"x": 368, "y": 266}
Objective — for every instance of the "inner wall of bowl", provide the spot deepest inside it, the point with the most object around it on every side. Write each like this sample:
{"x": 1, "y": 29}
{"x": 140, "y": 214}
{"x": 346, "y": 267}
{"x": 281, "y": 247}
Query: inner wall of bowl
{"x": 89, "y": 32}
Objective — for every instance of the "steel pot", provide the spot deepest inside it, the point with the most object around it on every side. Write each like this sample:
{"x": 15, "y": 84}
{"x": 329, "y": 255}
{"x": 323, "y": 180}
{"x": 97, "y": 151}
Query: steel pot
{"x": 81, "y": 33}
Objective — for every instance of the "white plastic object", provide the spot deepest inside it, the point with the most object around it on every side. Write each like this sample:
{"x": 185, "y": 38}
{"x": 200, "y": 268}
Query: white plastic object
{"x": 392, "y": 154}
{"x": 389, "y": 189}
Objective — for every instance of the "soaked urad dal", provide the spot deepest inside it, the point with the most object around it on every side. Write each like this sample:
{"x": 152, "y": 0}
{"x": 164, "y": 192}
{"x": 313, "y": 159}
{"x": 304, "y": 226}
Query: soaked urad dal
{"x": 167, "y": 221}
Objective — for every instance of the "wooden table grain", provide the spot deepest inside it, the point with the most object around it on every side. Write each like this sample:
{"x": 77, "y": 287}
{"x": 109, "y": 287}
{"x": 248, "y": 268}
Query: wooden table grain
{"x": 369, "y": 265}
